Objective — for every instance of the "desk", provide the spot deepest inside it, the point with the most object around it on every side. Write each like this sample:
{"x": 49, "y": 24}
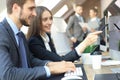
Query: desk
{"x": 91, "y": 72}
{"x": 104, "y": 70}
{"x": 58, "y": 77}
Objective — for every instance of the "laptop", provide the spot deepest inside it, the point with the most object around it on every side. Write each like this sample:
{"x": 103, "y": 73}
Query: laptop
{"x": 111, "y": 76}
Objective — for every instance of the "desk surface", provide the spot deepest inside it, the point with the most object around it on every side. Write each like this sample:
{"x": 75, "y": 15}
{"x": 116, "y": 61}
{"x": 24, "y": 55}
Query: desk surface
{"x": 58, "y": 77}
{"x": 104, "y": 69}
{"x": 91, "y": 72}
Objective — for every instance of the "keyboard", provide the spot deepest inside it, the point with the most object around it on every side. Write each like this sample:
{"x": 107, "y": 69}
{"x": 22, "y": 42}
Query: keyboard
{"x": 78, "y": 72}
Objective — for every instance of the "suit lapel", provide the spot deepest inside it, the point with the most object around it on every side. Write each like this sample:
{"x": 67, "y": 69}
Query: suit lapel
{"x": 50, "y": 43}
{"x": 41, "y": 41}
{"x": 11, "y": 33}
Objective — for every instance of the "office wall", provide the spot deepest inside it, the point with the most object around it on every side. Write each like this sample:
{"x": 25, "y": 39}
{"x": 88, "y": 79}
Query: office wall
{"x": 87, "y": 5}
{"x": 58, "y": 34}
{"x": 2, "y": 5}
{"x": 90, "y": 4}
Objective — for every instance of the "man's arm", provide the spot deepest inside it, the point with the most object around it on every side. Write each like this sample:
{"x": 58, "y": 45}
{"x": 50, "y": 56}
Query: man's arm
{"x": 9, "y": 71}
{"x": 70, "y": 27}
{"x": 10, "y": 62}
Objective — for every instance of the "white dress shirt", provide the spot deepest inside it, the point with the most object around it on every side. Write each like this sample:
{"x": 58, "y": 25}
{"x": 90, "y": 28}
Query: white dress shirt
{"x": 46, "y": 41}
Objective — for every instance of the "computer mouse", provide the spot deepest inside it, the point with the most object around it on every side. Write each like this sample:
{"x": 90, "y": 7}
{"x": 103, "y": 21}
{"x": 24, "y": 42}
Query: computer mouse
{"x": 72, "y": 78}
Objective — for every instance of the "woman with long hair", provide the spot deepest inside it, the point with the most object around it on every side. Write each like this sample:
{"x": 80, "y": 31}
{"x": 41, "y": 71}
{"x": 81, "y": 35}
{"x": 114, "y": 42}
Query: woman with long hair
{"x": 41, "y": 44}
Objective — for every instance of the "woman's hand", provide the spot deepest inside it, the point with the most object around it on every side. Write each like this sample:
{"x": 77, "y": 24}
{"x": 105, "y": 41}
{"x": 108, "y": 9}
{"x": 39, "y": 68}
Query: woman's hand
{"x": 91, "y": 38}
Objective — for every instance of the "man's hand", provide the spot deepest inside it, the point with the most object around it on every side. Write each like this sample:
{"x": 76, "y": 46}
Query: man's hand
{"x": 60, "y": 67}
{"x": 73, "y": 40}
{"x": 84, "y": 29}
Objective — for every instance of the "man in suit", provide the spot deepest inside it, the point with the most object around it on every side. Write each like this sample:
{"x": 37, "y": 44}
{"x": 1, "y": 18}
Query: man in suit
{"x": 74, "y": 31}
{"x": 20, "y": 12}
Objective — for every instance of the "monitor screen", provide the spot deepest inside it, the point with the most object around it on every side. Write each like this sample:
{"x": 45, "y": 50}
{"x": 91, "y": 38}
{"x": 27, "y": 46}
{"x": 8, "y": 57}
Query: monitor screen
{"x": 112, "y": 18}
{"x": 114, "y": 32}
{"x": 102, "y": 27}
{"x": 114, "y": 37}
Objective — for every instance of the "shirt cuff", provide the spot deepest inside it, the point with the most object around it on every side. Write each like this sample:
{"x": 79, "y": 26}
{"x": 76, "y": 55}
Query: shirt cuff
{"x": 47, "y": 71}
{"x": 78, "y": 51}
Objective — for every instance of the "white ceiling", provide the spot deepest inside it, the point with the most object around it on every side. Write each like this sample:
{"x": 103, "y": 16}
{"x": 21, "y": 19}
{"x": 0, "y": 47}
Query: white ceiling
{"x": 42, "y": 2}
{"x": 49, "y": 4}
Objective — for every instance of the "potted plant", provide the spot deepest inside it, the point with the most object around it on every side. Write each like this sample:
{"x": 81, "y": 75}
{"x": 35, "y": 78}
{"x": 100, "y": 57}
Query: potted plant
{"x": 86, "y": 57}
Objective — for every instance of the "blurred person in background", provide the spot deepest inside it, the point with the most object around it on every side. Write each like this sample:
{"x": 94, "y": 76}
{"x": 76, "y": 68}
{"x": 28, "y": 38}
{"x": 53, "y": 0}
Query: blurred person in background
{"x": 94, "y": 21}
{"x": 74, "y": 31}
{"x": 94, "y": 24}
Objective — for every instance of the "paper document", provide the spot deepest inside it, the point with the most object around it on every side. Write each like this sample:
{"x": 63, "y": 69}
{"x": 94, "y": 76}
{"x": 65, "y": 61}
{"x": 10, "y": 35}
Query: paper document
{"x": 110, "y": 62}
{"x": 84, "y": 25}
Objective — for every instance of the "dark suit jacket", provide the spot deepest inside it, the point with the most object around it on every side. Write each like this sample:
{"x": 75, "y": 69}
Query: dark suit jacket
{"x": 10, "y": 63}
{"x": 74, "y": 29}
{"x": 37, "y": 46}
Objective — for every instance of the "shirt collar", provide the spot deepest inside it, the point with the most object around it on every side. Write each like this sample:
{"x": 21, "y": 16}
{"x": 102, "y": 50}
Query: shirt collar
{"x": 93, "y": 19}
{"x": 12, "y": 25}
{"x": 45, "y": 38}
{"x": 77, "y": 15}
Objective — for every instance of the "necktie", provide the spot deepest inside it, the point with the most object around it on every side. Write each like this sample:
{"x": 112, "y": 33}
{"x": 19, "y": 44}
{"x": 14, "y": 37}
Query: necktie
{"x": 22, "y": 50}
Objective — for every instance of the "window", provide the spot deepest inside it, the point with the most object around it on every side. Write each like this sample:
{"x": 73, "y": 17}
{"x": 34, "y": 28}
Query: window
{"x": 47, "y": 3}
{"x": 3, "y": 14}
{"x": 63, "y": 10}
{"x": 118, "y": 3}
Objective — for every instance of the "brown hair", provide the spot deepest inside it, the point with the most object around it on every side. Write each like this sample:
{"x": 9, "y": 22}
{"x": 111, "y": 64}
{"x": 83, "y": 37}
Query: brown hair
{"x": 10, "y": 3}
{"x": 95, "y": 9}
{"x": 36, "y": 23}
{"x": 76, "y": 5}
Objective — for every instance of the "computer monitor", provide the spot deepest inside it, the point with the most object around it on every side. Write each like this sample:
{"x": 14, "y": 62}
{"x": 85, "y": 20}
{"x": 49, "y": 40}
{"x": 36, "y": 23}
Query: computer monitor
{"x": 112, "y": 15}
{"x": 114, "y": 37}
{"x": 114, "y": 32}
{"x": 104, "y": 35}
{"x": 102, "y": 27}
